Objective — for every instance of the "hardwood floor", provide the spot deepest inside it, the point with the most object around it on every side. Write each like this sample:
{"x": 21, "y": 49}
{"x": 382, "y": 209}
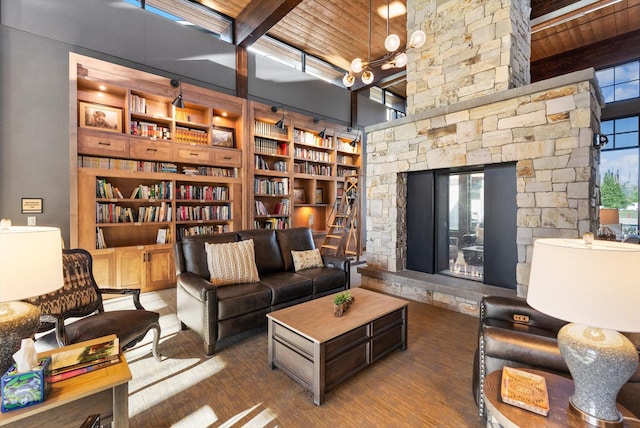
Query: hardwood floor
{"x": 428, "y": 385}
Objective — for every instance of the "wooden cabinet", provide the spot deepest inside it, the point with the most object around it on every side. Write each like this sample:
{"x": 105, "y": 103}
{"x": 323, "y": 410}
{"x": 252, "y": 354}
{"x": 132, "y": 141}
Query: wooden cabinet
{"x": 145, "y": 268}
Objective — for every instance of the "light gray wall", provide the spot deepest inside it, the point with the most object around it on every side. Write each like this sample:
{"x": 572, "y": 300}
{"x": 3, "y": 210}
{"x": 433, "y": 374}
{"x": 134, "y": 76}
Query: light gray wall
{"x": 36, "y": 37}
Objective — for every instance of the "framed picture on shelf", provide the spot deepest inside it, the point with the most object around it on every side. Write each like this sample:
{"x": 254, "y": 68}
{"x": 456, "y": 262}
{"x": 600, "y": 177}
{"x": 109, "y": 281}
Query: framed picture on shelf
{"x": 223, "y": 137}
{"x": 319, "y": 196}
{"x": 298, "y": 196}
{"x": 100, "y": 117}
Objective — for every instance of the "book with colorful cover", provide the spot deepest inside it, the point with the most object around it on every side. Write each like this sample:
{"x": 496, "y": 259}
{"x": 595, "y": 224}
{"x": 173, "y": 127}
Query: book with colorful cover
{"x": 84, "y": 354}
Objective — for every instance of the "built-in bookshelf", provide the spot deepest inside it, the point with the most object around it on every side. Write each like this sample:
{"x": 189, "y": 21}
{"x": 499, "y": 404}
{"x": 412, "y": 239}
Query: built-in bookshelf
{"x": 271, "y": 176}
{"x": 150, "y": 173}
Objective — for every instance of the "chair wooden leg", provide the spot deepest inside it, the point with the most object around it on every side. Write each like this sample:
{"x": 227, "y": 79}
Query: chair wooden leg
{"x": 156, "y": 339}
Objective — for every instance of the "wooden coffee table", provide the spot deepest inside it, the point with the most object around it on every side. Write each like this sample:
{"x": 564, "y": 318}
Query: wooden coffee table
{"x": 320, "y": 350}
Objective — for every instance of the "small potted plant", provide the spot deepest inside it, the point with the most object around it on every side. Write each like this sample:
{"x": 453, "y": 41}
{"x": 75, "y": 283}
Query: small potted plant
{"x": 341, "y": 303}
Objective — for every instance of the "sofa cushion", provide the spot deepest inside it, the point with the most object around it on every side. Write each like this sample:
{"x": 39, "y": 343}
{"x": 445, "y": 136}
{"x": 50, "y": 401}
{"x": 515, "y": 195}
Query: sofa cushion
{"x": 240, "y": 299}
{"x": 286, "y": 286}
{"x": 294, "y": 239}
{"x": 195, "y": 256}
{"x": 324, "y": 279}
{"x": 306, "y": 259}
{"x": 268, "y": 257}
{"x": 231, "y": 263}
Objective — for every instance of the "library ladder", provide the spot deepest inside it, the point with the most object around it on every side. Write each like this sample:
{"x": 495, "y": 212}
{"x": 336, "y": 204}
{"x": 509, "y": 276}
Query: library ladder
{"x": 343, "y": 238}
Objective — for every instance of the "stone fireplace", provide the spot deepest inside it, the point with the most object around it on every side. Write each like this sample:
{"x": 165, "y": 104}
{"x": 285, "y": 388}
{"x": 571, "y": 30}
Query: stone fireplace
{"x": 470, "y": 104}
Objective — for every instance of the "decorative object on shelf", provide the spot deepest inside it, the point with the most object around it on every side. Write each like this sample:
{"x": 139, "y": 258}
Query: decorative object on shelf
{"x": 525, "y": 390}
{"x": 394, "y": 58}
{"x": 599, "y": 279}
{"x": 319, "y": 196}
{"x": 298, "y": 196}
{"x": 223, "y": 137}
{"x": 608, "y": 217}
{"x": 30, "y": 265}
{"x": 177, "y": 101}
{"x": 101, "y": 117}
{"x": 280, "y": 123}
{"x": 341, "y": 303}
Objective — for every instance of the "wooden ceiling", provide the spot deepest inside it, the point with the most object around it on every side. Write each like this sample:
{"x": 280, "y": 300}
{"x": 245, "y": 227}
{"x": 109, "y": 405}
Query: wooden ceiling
{"x": 565, "y": 34}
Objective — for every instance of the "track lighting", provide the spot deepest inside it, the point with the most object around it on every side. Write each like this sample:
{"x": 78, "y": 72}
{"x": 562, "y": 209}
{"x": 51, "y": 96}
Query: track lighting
{"x": 322, "y": 133}
{"x": 280, "y": 123}
{"x": 177, "y": 101}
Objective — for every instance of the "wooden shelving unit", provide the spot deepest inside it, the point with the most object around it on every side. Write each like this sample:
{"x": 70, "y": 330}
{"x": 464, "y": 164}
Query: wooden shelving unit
{"x": 153, "y": 177}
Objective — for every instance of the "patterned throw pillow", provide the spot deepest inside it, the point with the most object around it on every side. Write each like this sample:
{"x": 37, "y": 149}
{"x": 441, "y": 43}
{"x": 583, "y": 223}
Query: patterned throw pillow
{"x": 306, "y": 259}
{"x": 232, "y": 263}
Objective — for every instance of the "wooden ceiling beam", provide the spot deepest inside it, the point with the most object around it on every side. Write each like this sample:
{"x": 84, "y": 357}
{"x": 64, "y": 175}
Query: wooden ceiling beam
{"x": 256, "y": 19}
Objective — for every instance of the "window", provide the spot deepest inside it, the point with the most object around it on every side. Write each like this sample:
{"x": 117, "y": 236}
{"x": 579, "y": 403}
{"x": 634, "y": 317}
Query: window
{"x": 466, "y": 225}
{"x": 621, "y": 82}
{"x": 619, "y": 165}
{"x": 278, "y": 51}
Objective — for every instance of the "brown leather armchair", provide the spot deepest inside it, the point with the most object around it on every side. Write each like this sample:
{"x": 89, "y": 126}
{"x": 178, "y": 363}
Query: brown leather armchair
{"x": 512, "y": 333}
{"x": 81, "y": 297}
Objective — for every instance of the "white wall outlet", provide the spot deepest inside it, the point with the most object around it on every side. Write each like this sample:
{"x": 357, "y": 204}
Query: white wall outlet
{"x": 31, "y": 220}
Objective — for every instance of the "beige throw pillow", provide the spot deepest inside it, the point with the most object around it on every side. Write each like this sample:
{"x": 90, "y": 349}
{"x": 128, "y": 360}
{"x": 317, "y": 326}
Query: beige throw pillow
{"x": 306, "y": 259}
{"x": 232, "y": 263}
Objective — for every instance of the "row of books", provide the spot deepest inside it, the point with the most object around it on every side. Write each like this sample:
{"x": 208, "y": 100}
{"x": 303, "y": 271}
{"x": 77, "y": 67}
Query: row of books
{"x": 271, "y": 147}
{"x": 113, "y": 213}
{"x": 344, "y": 159}
{"x": 147, "y": 166}
{"x": 260, "y": 208}
{"x": 271, "y": 186}
{"x": 345, "y": 146}
{"x": 261, "y": 163}
{"x": 345, "y": 172}
{"x": 162, "y": 190}
{"x": 150, "y": 130}
{"x": 191, "y": 135}
{"x": 100, "y": 242}
{"x": 137, "y": 104}
{"x": 202, "y": 193}
{"x": 84, "y": 357}
{"x": 203, "y": 213}
{"x": 104, "y": 189}
{"x": 269, "y": 130}
{"x": 209, "y": 229}
{"x": 310, "y": 168}
{"x": 312, "y": 155}
{"x": 282, "y": 207}
{"x": 309, "y": 138}
{"x": 272, "y": 223}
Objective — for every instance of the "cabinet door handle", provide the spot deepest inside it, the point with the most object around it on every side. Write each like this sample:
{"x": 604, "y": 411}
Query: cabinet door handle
{"x": 151, "y": 150}
{"x": 103, "y": 144}
{"x": 193, "y": 154}
{"x": 227, "y": 158}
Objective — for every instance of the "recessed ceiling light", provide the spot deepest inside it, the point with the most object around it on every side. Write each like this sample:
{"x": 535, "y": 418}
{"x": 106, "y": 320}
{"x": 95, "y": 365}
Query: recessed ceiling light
{"x": 102, "y": 88}
{"x": 395, "y": 9}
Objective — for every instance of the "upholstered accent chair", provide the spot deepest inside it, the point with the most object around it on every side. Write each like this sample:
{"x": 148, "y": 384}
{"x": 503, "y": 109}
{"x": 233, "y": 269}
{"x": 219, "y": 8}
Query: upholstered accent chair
{"x": 80, "y": 297}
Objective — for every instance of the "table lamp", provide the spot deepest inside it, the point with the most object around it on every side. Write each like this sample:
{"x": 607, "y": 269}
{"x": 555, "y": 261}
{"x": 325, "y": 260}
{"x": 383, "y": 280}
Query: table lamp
{"x": 608, "y": 217}
{"x": 30, "y": 265}
{"x": 594, "y": 286}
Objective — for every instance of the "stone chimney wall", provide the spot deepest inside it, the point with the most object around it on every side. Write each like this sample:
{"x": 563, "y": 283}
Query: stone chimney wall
{"x": 546, "y": 128}
{"x": 473, "y": 48}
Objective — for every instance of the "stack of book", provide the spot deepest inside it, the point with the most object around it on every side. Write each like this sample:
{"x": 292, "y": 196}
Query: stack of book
{"x": 84, "y": 357}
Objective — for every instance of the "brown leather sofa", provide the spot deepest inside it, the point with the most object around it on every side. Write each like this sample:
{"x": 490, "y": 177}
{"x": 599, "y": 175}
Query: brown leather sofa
{"x": 512, "y": 333}
{"x": 219, "y": 312}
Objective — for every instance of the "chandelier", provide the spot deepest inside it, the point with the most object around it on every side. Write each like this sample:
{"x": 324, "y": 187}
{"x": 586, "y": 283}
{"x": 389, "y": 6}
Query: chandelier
{"x": 394, "y": 58}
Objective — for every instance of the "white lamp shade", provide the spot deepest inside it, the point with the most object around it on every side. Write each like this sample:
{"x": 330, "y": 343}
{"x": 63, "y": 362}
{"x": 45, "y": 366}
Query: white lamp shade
{"x": 400, "y": 60}
{"x": 30, "y": 262}
{"x": 392, "y": 42}
{"x": 367, "y": 77}
{"x": 595, "y": 285}
{"x": 348, "y": 80}
{"x": 417, "y": 39}
{"x": 356, "y": 65}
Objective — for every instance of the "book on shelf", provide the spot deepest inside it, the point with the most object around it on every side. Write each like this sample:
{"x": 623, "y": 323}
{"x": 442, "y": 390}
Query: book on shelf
{"x": 85, "y": 354}
{"x": 525, "y": 390}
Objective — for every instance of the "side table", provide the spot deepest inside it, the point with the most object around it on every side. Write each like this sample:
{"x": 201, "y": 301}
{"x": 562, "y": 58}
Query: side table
{"x": 104, "y": 391}
{"x": 559, "y": 389}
